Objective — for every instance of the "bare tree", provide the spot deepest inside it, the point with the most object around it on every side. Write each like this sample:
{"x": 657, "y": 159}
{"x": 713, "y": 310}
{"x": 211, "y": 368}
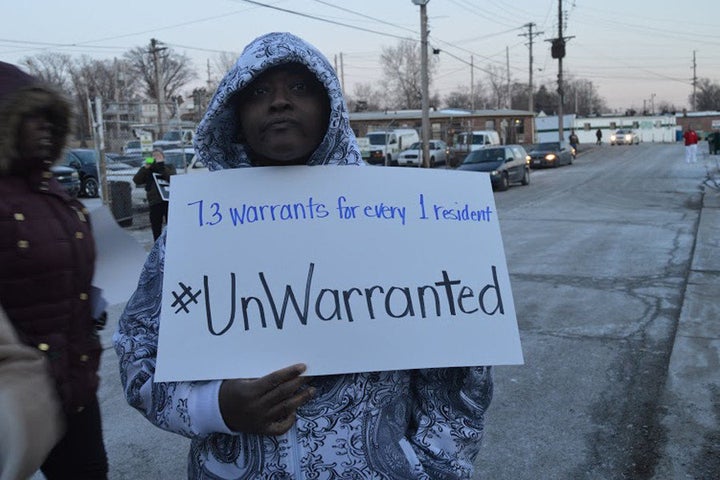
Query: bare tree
{"x": 462, "y": 98}
{"x": 497, "y": 78}
{"x": 707, "y": 95}
{"x": 364, "y": 97}
{"x": 53, "y": 68}
{"x": 174, "y": 71}
{"x": 402, "y": 74}
{"x": 582, "y": 98}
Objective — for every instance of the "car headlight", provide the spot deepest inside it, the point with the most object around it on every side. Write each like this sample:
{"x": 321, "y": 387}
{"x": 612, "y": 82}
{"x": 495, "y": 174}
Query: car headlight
{"x": 628, "y": 137}
{"x": 527, "y": 159}
{"x": 550, "y": 157}
{"x": 612, "y": 138}
{"x": 494, "y": 173}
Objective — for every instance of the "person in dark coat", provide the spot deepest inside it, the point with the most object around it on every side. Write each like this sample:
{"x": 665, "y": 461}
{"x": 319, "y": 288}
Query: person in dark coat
{"x": 47, "y": 258}
{"x": 155, "y": 166}
{"x": 598, "y": 135}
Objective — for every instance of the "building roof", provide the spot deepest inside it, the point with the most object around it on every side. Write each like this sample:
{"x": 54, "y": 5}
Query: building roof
{"x": 443, "y": 113}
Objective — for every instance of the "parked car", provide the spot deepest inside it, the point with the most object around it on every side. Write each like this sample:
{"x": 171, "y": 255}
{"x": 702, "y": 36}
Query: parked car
{"x": 84, "y": 160}
{"x": 506, "y": 164}
{"x": 179, "y": 157}
{"x": 196, "y": 165}
{"x": 68, "y": 177}
{"x": 132, "y": 147}
{"x": 624, "y": 137}
{"x": 174, "y": 139}
{"x": 438, "y": 151}
{"x": 550, "y": 154}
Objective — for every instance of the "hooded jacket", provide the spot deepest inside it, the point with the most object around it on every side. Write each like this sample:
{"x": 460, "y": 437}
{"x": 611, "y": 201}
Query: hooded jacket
{"x": 420, "y": 424}
{"x": 47, "y": 251}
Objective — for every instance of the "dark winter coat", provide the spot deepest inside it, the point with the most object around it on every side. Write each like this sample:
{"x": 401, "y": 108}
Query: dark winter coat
{"x": 47, "y": 250}
{"x": 144, "y": 177}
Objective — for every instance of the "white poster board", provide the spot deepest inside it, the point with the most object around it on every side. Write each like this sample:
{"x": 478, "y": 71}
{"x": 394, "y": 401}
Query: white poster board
{"x": 345, "y": 269}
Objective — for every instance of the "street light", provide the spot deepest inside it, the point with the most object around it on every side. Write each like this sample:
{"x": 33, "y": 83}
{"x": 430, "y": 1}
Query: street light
{"x": 424, "y": 82}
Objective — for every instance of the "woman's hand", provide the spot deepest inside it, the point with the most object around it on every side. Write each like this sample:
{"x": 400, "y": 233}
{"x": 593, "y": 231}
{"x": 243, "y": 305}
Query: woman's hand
{"x": 266, "y": 405}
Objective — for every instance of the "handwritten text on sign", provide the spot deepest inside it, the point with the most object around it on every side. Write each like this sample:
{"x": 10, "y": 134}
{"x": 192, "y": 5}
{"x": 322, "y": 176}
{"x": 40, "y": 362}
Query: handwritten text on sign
{"x": 345, "y": 269}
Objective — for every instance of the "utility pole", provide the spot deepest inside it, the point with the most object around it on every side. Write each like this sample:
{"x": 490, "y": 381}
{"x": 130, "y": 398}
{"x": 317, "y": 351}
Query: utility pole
{"x": 558, "y": 51}
{"x": 472, "y": 84}
{"x": 424, "y": 81}
{"x": 694, "y": 84}
{"x": 652, "y": 104}
{"x": 159, "y": 90}
{"x": 342, "y": 73}
{"x": 530, "y": 35}
{"x": 507, "y": 69}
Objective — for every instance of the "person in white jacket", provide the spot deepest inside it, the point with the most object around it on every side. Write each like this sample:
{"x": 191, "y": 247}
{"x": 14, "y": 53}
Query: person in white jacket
{"x": 30, "y": 415}
{"x": 282, "y": 104}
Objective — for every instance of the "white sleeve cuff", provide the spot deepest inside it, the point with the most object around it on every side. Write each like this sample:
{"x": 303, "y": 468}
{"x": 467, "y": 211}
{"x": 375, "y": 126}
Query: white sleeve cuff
{"x": 204, "y": 408}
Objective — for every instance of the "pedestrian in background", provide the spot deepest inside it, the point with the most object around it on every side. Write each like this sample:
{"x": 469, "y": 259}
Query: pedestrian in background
{"x": 574, "y": 141}
{"x": 282, "y": 104}
{"x": 47, "y": 258}
{"x": 691, "y": 141}
{"x": 598, "y": 136}
{"x": 155, "y": 166}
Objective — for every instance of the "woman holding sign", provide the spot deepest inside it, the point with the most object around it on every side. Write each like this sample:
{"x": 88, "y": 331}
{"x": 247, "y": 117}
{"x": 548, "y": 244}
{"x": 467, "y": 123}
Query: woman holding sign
{"x": 282, "y": 104}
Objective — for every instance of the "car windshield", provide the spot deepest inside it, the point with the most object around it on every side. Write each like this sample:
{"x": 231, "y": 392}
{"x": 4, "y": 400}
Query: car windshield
{"x": 172, "y": 136}
{"x": 546, "y": 147}
{"x": 377, "y": 138}
{"x": 416, "y": 146}
{"x": 85, "y": 156}
{"x": 486, "y": 155}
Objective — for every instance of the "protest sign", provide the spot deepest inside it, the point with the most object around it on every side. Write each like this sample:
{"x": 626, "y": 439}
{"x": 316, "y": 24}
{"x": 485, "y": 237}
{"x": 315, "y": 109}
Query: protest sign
{"x": 346, "y": 269}
{"x": 163, "y": 186}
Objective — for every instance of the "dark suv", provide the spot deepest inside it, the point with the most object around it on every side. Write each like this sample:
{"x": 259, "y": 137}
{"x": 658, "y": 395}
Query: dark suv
{"x": 84, "y": 160}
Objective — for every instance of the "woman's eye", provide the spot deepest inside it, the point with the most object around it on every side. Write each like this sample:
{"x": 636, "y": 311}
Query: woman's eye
{"x": 257, "y": 91}
{"x": 299, "y": 86}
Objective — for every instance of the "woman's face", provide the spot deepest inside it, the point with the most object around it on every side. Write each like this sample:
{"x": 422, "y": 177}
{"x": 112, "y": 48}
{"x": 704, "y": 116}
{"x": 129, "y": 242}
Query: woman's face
{"x": 36, "y": 142}
{"x": 283, "y": 115}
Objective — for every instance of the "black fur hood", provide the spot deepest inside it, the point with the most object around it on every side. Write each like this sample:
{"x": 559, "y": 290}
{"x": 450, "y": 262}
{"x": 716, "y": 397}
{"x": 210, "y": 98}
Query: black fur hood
{"x": 21, "y": 94}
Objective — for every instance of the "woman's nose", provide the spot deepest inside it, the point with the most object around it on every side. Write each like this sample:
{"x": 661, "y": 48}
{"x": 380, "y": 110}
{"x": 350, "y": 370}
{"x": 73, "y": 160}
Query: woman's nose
{"x": 280, "y": 99}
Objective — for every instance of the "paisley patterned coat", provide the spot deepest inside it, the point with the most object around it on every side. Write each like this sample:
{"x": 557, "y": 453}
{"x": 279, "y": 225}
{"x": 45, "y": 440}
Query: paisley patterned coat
{"x": 419, "y": 424}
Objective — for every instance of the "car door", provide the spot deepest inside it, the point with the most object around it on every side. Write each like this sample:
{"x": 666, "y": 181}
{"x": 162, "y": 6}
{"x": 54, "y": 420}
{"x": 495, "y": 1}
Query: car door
{"x": 510, "y": 164}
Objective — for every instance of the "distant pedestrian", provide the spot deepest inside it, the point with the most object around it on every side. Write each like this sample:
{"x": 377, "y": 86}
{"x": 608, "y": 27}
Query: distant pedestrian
{"x": 691, "y": 140}
{"x": 598, "y": 135}
{"x": 144, "y": 176}
{"x": 574, "y": 141}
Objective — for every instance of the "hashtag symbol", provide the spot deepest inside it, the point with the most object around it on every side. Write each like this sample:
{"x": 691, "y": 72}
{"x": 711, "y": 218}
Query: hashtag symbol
{"x": 180, "y": 299}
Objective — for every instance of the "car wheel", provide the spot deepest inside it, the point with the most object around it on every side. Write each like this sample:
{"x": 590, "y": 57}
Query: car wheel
{"x": 504, "y": 182}
{"x": 526, "y": 177}
{"x": 432, "y": 162}
{"x": 570, "y": 160}
{"x": 90, "y": 187}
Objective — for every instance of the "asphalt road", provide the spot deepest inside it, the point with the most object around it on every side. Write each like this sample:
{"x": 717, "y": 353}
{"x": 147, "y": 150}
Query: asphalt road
{"x": 599, "y": 254}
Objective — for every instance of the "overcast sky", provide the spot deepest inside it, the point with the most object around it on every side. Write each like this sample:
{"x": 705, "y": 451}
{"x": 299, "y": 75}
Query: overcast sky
{"x": 634, "y": 51}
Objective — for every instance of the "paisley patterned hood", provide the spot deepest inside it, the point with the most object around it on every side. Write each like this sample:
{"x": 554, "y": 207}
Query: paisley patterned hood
{"x": 216, "y": 139}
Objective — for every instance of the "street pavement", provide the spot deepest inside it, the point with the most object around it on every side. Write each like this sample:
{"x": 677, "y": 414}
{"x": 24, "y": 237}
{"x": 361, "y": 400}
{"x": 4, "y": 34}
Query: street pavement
{"x": 690, "y": 404}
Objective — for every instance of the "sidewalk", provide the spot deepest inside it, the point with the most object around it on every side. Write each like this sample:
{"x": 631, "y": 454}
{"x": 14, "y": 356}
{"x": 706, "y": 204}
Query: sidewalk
{"x": 690, "y": 405}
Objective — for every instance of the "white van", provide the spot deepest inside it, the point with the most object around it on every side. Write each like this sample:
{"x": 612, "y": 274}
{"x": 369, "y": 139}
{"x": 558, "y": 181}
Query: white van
{"x": 386, "y": 145}
{"x": 466, "y": 142}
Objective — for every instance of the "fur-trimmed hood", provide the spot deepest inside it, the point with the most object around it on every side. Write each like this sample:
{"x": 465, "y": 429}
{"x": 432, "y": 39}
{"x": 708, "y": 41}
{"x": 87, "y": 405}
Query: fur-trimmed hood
{"x": 216, "y": 139}
{"x": 21, "y": 94}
